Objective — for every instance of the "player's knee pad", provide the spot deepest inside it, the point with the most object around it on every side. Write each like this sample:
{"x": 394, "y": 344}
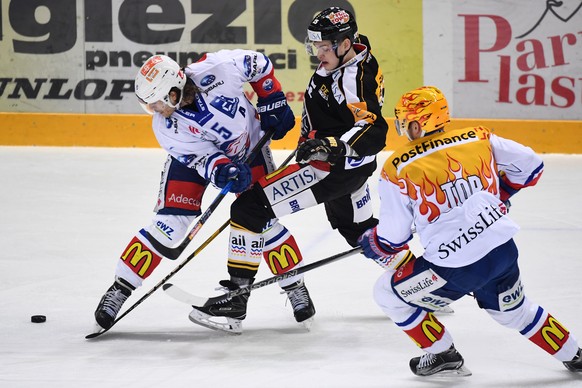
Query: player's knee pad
{"x": 280, "y": 251}
{"x": 517, "y": 318}
{"x": 388, "y": 301}
{"x": 169, "y": 230}
{"x": 138, "y": 260}
{"x": 362, "y": 204}
{"x": 245, "y": 250}
{"x": 417, "y": 284}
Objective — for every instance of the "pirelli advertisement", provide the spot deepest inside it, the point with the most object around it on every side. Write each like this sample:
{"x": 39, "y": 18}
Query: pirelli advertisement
{"x": 82, "y": 55}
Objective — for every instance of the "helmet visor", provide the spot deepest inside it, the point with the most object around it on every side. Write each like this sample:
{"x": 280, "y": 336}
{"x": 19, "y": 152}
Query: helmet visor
{"x": 314, "y": 48}
{"x": 400, "y": 127}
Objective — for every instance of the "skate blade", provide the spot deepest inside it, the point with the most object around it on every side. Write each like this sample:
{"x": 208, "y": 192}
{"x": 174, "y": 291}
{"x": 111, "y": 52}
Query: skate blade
{"x": 231, "y": 326}
{"x": 463, "y": 371}
{"x": 307, "y": 323}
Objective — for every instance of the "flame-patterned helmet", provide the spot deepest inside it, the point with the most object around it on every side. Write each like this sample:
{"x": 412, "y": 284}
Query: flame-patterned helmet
{"x": 427, "y": 105}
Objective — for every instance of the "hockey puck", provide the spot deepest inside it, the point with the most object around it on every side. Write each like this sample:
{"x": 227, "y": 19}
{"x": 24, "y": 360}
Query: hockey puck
{"x": 38, "y": 318}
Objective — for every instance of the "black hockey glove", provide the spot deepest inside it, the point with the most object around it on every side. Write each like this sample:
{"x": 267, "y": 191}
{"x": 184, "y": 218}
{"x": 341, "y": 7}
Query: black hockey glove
{"x": 328, "y": 149}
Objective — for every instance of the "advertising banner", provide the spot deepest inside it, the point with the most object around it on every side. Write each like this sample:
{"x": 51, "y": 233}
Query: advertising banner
{"x": 518, "y": 59}
{"x": 81, "y": 56}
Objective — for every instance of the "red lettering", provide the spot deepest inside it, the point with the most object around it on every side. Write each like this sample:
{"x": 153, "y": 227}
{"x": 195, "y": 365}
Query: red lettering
{"x": 472, "y": 39}
{"x": 537, "y": 55}
{"x": 563, "y": 91}
{"x": 504, "y": 78}
{"x": 250, "y": 95}
{"x": 558, "y": 48}
{"x": 538, "y": 90}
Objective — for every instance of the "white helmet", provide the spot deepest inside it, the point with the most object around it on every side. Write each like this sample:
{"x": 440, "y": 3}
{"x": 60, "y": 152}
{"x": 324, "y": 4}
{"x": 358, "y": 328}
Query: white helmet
{"x": 154, "y": 80}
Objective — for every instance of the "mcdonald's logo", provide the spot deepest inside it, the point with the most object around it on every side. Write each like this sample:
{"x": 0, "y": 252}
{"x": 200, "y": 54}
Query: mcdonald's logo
{"x": 554, "y": 331}
{"x": 137, "y": 254}
{"x": 432, "y": 328}
{"x": 283, "y": 259}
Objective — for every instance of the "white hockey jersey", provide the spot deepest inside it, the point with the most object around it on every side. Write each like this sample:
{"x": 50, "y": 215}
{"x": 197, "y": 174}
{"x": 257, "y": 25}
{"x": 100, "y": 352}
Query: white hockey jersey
{"x": 447, "y": 187}
{"x": 221, "y": 122}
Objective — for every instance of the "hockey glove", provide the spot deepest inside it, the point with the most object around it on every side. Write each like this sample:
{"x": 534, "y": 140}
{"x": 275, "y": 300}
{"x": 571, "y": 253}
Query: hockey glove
{"x": 239, "y": 174}
{"x": 376, "y": 250}
{"x": 275, "y": 113}
{"x": 328, "y": 149}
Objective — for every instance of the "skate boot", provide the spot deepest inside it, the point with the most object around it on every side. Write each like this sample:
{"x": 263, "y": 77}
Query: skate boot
{"x": 232, "y": 310}
{"x": 303, "y": 308}
{"x": 111, "y": 302}
{"x": 575, "y": 365}
{"x": 449, "y": 362}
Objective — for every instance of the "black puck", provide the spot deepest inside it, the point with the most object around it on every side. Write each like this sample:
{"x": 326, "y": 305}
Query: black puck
{"x": 38, "y": 318}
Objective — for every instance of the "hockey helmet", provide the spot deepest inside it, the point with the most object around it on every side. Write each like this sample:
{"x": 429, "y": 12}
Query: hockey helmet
{"x": 332, "y": 24}
{"x": 156, "y": 78}
{"x": 427, "y": 105}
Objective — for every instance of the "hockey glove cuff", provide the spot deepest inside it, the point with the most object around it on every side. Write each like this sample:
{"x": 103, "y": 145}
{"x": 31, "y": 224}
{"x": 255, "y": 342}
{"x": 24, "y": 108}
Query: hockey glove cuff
{"x": 275, "y": 113}
{"x": 328, "y": 149}
{"x": 376, "y": 250}
{"x": 239, "y": 174}
{"x": 506, "y": 189}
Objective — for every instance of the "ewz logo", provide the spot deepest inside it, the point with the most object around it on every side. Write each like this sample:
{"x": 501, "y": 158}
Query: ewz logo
{"x": 512, "y": 297}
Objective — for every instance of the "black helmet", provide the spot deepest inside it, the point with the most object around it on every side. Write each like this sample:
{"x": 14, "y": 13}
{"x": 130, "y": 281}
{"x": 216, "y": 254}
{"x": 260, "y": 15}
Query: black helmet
{"x": 333, "y": 24}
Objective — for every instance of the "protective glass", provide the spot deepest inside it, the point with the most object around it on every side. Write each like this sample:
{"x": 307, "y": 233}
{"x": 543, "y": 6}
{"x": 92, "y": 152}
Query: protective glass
{"x": 400, "y": 127}
{"x": 314, "y": 48}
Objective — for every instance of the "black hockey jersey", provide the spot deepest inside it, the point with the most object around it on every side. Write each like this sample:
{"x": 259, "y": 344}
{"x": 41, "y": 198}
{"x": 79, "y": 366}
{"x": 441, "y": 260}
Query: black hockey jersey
{"x": 346, "y": 103}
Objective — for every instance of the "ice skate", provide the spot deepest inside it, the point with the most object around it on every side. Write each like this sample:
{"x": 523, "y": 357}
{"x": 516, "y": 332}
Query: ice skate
{"x": 303, "y": 308}
{"x": 111, "y": 303}
{"x": 575, "y": 365}
{"x": 447, "y": 363}
{"x": 226, "y": 315}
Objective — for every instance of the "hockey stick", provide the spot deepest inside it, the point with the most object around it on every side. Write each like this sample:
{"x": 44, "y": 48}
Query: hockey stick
{"x": 174, "y": 253}
{"x": 183, "y": 296}
{"x": 175, "y": 270}
{"x": 164, "y": 280}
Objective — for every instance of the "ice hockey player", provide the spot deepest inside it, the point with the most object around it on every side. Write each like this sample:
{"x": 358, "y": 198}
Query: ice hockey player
{"x": 202, "y": 118}
{"x": 342, "y": 130}
{"x": 453, "y": 187}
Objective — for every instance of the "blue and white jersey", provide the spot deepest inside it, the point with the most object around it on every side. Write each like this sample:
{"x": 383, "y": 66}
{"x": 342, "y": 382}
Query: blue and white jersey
{"x": 221, "y": 123}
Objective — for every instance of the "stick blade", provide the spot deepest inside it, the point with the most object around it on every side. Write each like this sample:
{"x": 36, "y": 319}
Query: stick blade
{"x": 183, "y": 296}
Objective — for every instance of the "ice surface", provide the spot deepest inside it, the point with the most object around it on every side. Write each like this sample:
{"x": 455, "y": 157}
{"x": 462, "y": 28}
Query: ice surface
{"x": 69, "y": 212}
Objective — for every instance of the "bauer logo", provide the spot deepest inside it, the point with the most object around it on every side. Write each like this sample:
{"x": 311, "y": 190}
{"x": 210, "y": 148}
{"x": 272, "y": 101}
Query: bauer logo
{"x": 207, "y": 80}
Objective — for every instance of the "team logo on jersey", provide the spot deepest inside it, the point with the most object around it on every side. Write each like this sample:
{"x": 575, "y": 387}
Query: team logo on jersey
{"x": 268, "y": 85}
{"x": 324, "y": 92}
{"x": 250, "y": 65}
{"x": 207, "y": 80}
{"x": 226, "y": 105}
